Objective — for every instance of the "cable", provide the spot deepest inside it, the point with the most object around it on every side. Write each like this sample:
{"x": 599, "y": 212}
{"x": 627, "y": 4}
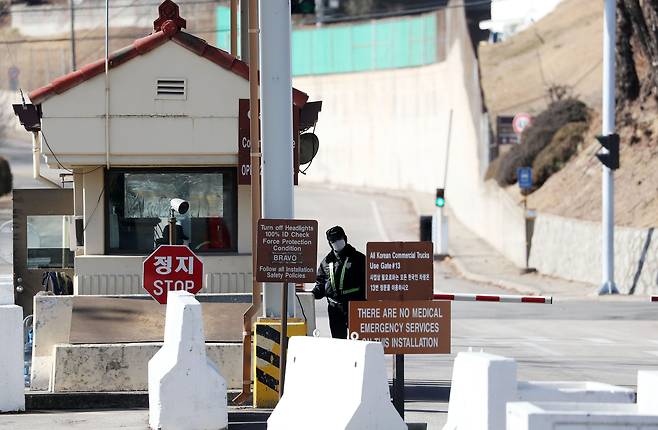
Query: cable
{"x": 301, "y": 307}
{"x": 98, "y": 202}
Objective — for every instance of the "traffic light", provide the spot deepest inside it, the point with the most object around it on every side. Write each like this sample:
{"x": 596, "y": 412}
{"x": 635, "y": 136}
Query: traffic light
{"x": 440, "y": 198}
{"x": 611, "y": 158}
{"x": 303, "y": 7}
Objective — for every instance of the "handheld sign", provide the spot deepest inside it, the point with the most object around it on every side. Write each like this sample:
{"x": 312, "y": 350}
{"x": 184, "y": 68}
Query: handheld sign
{"x": 172, "y": 267}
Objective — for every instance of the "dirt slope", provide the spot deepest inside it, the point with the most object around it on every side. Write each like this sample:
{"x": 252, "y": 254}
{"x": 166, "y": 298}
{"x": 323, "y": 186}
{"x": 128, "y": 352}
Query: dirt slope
{"x": 571, "y": 55}
{"x": 563, "y": 48}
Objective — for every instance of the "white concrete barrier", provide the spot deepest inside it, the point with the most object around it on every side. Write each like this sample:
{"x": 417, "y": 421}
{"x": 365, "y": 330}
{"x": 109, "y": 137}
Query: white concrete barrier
{"x": 353, "y": 396}
{"x": 12, "y": 386}
{"x": 186, "y": 391}
{"x": 647, "y": 392}
{"x": 577, "y": 416}
{"x": 482, "y": 385}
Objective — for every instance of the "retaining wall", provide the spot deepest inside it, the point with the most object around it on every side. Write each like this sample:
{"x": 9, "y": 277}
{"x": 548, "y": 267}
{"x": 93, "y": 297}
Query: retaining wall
{"x": 571, "y": 249}
{"x": 389, "y": 129}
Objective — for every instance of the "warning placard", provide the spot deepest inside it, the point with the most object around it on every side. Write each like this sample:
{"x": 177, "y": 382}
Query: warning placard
{"x": 408, "y": 327}
{"x": 399, "y": 271}
{"x": 287, "y": 250}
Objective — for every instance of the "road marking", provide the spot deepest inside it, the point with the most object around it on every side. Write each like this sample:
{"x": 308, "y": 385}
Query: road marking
{"x": 537, "y": 339}
{"x": 598, "y": 340}
{"x": 378, "y": 221}
{"x": 543, "y": 349}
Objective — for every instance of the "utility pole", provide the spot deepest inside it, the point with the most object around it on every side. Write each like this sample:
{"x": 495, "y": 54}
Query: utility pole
{"x": 319, "y": 12}
{"x": 244, "y": 31}
{"x": 276, "y": 120}
{"x": 234, "y": 28}
{"x": 72, "y": 10}
{"x": 608, "y": 192}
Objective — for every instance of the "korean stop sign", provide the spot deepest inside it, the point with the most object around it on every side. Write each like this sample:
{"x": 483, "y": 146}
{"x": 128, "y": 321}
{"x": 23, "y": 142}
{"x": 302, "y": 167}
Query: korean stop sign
{"x": 172, "y": 267}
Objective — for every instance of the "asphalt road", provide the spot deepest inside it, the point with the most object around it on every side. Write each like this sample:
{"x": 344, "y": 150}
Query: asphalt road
{"x": 572, "y": 340}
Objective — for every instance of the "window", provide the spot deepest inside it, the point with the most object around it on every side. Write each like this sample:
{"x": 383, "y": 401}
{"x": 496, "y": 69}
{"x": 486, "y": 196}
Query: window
{"x": 48, "y": 242}
{"x": 138, "y": 209}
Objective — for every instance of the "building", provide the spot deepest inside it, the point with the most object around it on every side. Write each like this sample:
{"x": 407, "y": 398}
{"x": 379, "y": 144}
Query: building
{"x": 168, "y": 129}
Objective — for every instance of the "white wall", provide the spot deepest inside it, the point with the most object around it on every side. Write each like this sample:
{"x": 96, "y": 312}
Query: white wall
{"x": 571, "y": 249}
{"x": 144, "y": 130}
{"x": 388, "y": 129}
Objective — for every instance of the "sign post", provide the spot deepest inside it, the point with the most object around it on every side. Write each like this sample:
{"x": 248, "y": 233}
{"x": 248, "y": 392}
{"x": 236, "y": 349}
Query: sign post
{"x": 524, "y": 177}
{"x": 287, "y": 252}
{"x": 399, "y": 311}
{"x": 169, "y": 268}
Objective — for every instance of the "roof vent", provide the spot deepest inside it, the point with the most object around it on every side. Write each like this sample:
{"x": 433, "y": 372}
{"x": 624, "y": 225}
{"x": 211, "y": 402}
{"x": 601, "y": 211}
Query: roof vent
{"x": 171, "y": 89}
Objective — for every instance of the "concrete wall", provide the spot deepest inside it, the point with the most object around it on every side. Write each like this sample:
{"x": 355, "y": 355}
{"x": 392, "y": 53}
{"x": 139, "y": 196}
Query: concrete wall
{"x": 571, "y": 249}
{"x": 389, "y": 129}
{"x": 123, "y": 367}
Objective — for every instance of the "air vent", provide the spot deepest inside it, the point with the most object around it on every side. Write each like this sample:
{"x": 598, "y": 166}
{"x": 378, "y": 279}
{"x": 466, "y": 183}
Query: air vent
{"x": 171, "y": 89}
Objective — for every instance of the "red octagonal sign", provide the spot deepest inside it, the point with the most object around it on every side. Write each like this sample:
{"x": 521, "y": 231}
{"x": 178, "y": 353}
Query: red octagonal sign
{"x": 172, "y": 267}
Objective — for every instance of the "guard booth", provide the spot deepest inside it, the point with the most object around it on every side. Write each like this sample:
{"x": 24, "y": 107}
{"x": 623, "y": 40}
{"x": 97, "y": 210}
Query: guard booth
{"x": 162, "y": 124}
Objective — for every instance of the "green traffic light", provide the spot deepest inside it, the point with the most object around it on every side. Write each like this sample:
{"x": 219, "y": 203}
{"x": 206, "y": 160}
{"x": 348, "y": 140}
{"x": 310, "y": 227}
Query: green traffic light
{"x": 440, "y": 202}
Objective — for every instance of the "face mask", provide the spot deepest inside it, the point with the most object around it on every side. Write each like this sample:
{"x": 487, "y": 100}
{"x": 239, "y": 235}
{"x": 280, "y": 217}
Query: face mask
{"x": 338, "y": 245}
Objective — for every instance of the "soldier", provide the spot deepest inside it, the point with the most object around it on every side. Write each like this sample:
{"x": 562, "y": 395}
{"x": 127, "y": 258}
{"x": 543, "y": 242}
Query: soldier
{"x": 341, "y": 279}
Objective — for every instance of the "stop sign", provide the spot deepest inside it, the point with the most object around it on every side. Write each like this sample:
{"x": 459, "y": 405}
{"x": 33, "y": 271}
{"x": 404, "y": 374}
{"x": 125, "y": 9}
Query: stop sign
{"x": 172, "y": 267}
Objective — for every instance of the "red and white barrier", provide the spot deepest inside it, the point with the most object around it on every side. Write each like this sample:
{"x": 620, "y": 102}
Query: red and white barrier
{"x": 493, "y": 298}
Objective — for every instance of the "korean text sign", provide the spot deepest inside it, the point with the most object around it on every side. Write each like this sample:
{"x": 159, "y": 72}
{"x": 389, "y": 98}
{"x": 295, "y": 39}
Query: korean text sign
{"x": 172, "y": 267}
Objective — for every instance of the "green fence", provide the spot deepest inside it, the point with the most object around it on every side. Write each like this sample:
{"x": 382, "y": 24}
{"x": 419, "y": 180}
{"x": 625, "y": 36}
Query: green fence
{"x": 343, "y": 48}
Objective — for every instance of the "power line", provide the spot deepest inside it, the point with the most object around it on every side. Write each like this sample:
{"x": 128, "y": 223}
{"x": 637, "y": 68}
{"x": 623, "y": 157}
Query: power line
{"x": 37, "y": 9}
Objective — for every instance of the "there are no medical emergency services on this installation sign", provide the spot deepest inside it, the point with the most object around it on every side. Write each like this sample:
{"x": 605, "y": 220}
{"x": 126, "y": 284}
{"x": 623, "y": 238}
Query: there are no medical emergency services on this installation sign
{"x": 403, "y": 327}
{"x": 287, "y": 250}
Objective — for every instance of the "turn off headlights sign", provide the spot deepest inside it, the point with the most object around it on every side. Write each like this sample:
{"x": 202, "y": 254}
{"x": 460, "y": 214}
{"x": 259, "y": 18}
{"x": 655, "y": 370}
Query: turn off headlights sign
{"x": 408, "y": 327}
{"x": 287, "y": 250}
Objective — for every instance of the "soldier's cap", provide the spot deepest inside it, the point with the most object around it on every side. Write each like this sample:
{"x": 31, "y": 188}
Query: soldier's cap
{"x": 336, "y": 233}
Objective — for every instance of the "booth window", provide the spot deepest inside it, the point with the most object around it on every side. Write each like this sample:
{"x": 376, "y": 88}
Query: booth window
{"x": 48, "y": 242}
{"x": 138, "y": 208}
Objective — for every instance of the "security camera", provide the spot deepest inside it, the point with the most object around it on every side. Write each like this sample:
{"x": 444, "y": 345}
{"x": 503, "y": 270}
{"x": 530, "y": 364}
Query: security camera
{"x": 179, "y": 205}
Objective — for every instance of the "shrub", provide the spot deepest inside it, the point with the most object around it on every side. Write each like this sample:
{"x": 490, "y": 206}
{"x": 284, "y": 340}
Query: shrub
{"x": 562, "y": 147}
{"x": 5, "y": 177}
{"x": 536, "y": 137}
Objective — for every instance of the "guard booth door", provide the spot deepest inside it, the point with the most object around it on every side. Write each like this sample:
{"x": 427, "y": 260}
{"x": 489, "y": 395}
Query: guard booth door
{"x": 42, "y": 220}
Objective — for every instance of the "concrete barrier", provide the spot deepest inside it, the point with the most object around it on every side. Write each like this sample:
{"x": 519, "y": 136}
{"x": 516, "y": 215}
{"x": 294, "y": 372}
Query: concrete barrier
{"x": 647, "y": 392}
{"x": 123, "y": 366}
{"x": 186, "y": 391}
{"x": 482, "y": 385}
{"x": 12, "y": 385}
{"x": 577, "y": 416}
{"x": 6, "y": 290}
{"x": 355, "y": 391}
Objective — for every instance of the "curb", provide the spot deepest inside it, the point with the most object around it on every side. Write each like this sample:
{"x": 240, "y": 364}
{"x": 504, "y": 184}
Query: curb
{"x": 501, "y": 283}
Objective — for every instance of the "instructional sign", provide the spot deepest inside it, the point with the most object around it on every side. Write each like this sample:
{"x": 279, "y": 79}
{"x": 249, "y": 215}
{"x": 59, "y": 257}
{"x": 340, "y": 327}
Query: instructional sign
{"x": 399, "y": 271}
{"x": 287, "y": 250}
{"x": 408, "y": 327}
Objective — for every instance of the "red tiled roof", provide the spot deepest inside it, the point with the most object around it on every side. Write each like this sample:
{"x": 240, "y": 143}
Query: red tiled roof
{"x": 168, "y": 30}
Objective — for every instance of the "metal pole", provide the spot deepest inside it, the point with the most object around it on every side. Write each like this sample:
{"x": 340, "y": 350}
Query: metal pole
{"x": 234, "y": 28}
{"x": 107, "y": 84}
{"x": 276, "y": 120}
{"x": 319, "y": 13}
{"x": 284, "y": 335}
{"x": 608, "y": 194}
{"x": 254, "y": 134}
{"x": 72, "y": 10}
{"x": 172, "y": 228}
{"x": 244, "y": 31}
{"x": 398, "y": 384}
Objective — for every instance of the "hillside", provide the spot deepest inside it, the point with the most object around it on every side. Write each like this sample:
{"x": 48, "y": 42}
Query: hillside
{"x": 571, "y": 55}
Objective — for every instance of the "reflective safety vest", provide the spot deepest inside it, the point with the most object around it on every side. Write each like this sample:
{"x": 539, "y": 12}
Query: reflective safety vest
{"x": 332, "y": 278}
